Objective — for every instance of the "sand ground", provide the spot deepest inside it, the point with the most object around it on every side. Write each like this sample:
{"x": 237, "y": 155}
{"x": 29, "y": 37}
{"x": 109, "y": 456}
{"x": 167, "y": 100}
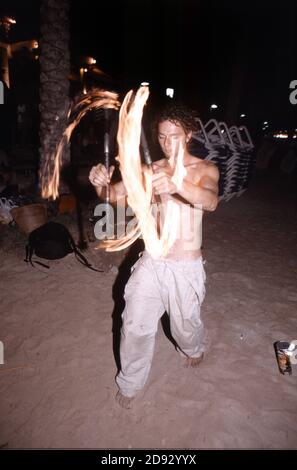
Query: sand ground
{"x": 60, "y": 330}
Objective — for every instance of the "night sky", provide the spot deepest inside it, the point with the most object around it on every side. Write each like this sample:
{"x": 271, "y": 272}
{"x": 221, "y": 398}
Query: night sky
{"x": 209, "y": 51}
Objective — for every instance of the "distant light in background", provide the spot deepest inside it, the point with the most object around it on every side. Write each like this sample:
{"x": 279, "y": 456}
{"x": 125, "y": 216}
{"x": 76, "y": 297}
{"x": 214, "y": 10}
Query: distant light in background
{"x": 86, "y": 63}
{"x": 89, "y": 60}
{"x": 265, "y": 126}
{"x": 6, "y": 22}
{"x": 281, "y": 135}
{"x": 170, "y": 92}
{"x": 11, "y": 20}
{"x": 144, "y": 84}
{"x": 214, "y": 106}
{"x": 242, "y": 115}
{"x": 82, "y": 71}
{"x": 6, "y": 48}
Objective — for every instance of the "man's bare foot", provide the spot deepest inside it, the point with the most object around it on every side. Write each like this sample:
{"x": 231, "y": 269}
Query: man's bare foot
{"x": 194, "y": 361}
{"x": 124, "y": 402}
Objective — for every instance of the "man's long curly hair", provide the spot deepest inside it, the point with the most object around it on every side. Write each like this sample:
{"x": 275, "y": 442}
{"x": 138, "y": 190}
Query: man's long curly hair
{"x": 177, "y": 113}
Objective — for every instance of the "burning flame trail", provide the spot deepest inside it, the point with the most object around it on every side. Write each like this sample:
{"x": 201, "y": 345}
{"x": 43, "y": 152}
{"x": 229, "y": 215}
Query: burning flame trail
{"x": 139, "y": 189}
{"x": 95, "y": 99}
{"x": 137, "y": 180}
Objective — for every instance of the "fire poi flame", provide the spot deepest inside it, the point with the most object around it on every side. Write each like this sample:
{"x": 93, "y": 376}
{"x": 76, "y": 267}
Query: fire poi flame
{"x": 95, "y": 99}
{"x": 139, "y": 189}
{"x": 137, "y": 180}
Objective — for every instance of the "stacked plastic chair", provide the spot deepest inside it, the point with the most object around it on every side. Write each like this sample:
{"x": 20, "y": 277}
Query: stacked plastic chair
{"x": 231, "y": 149}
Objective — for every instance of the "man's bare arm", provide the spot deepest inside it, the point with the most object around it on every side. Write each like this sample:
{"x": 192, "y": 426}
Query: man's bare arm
{"x": 117, "y": 190}
{"x": 206, "y": 191}
{"x": 100, "y": 179}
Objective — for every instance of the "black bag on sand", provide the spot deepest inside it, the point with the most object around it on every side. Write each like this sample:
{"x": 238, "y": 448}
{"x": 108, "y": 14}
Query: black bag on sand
{"x": 53, "y": 241}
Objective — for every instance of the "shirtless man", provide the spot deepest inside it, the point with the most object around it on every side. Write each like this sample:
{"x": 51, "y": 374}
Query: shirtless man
{"x": 174, "y": 283}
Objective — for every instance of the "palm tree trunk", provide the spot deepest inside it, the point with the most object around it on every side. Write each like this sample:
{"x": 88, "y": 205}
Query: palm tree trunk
{"x": 54, "y": 82}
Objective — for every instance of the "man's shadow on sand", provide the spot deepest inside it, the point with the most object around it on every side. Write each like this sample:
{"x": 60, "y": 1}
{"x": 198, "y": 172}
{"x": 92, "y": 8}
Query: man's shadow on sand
{"x": 119, "y": 302}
